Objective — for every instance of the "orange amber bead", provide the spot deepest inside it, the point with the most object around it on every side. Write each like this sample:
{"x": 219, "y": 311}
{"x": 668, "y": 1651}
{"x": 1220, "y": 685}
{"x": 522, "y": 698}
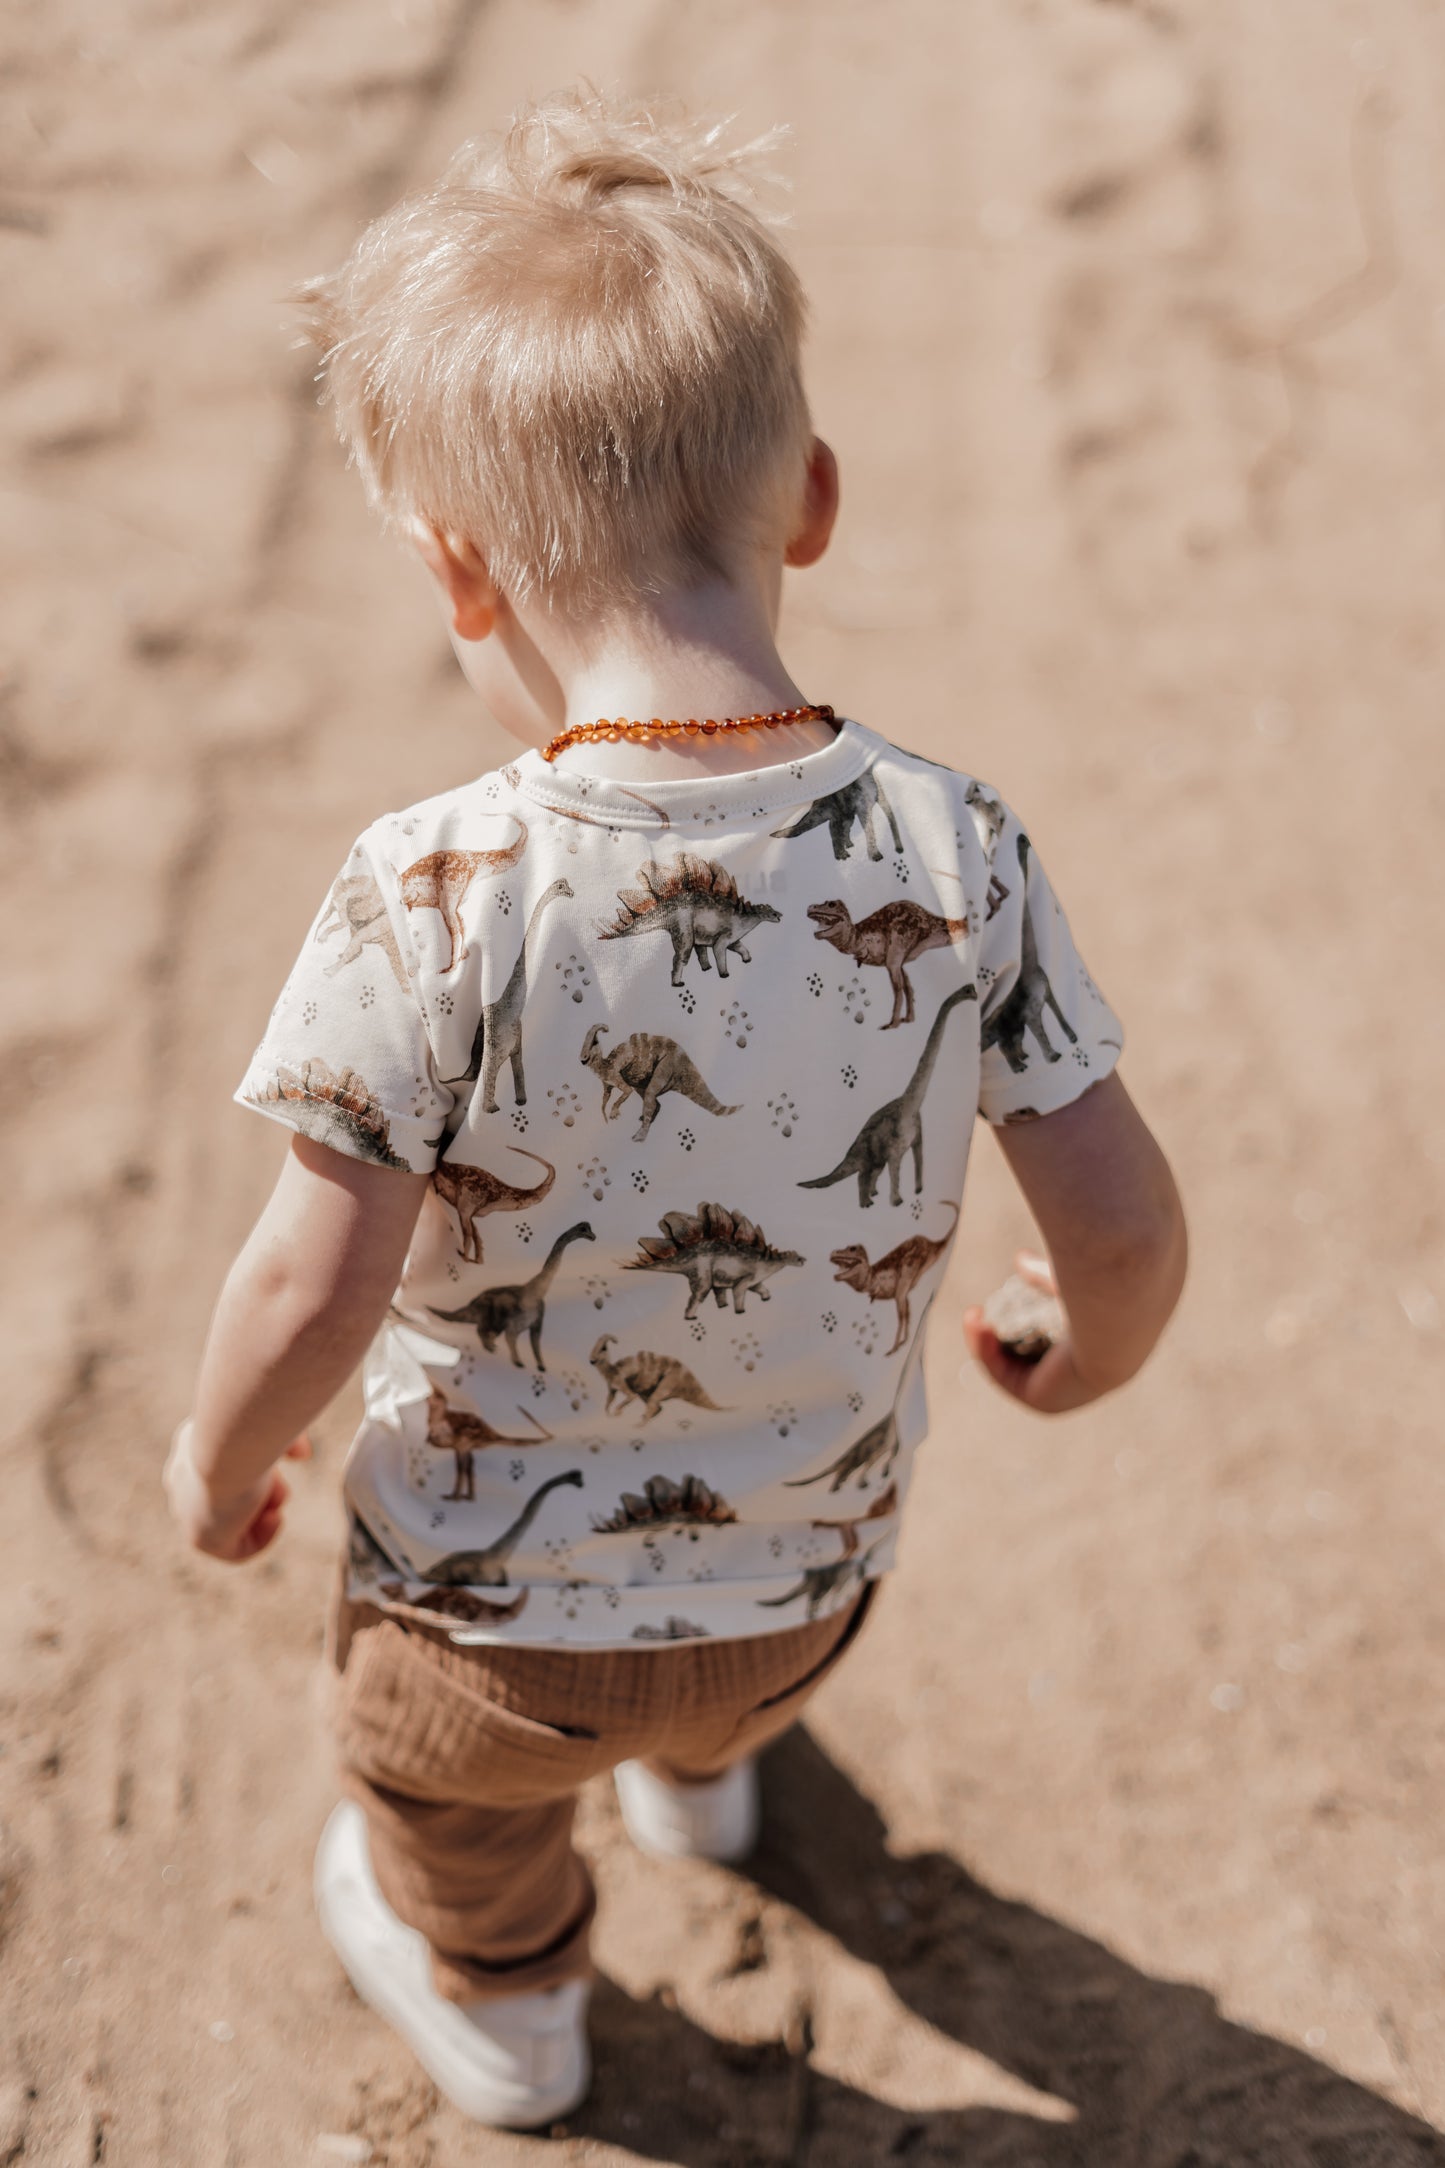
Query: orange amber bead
{"x": 692, "y": 727}
{"x": 710, "y": 727}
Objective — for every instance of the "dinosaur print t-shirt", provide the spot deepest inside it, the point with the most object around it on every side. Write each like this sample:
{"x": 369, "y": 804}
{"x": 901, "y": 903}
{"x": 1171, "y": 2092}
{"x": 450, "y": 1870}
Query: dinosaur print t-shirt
{"x": 694, "y": 1074}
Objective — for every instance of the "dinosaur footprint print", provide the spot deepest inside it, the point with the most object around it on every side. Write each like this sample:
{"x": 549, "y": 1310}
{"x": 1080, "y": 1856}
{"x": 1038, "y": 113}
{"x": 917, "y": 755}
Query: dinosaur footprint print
{"x": 686, "y": 1139}
{"x": 576, "y": 979}
{"x": 524, "y": 1229}
{"x": 639, "y": 1179}
{"x": 782, "y": 1417}
{"x": 855, "y": 1001}
{"x": 736, "y": 1025}
{"x": 687, "y": 998}
{"x": 595, "y": 1177}
{"x": 519, "y": 1118}
{"x": 814, "y": 984}
{"x": 596, "y": 1289}
{"x": 784, "y": 1113}
{"x": 747, "y": 1349}
{"x": 865, "y": 1335}
{"x": 849, "y": 1075}
{"x": 504, "y": 902}
{"x": 565, "y": 1104}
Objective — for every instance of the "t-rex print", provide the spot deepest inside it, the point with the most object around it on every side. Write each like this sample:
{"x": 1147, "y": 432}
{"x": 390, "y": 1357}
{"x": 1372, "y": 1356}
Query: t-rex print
{"x": 648, "y": 1063}
{"x": 717, "y": 1252}
{"x": 878, "y": 1443}
{"x": 988, "y": 818}
{"x": 687, "y": 1504}
{"x": 697, "y": 904}
{"x": 439, "y": 882}
{"x": 508, "y": 1312}
{"x": 472, "y": 1192}
{"x": 884, "y": 1504}
{"x": 888, "y": 1136}
{"x": 341, "y": 1111}
{"x": 498, "y": 1035}
{"x": 488, "y": 1568}
{"x": 891, "y": 936}
{"x": 856, "y": 801}
{"x": 894, "y": 1277}
{"x": 1022, "y": 1008}
{"x": 648, "y": 1378}
{"x": 462, "y": 1433}
{"x": 821, "y": 1582}
{"x": 357, "y": 905}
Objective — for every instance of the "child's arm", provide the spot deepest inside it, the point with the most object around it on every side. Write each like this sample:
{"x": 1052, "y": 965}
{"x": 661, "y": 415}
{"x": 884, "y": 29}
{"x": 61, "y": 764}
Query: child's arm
{"x": 295, "y": 1316}
{"x": 1105, "y": 1202}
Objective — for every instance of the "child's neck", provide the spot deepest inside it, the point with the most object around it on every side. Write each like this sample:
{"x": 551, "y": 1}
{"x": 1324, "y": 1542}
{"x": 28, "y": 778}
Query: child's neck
{"x": 695, "y": 652}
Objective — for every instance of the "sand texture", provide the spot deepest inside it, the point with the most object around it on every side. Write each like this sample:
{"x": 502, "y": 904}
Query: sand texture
{"x": 1117, "y": 1845}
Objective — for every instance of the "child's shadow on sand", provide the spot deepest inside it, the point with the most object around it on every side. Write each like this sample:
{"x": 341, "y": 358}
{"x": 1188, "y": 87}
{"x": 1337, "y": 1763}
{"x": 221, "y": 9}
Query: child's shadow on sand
{"x": 1155, "y": 2076}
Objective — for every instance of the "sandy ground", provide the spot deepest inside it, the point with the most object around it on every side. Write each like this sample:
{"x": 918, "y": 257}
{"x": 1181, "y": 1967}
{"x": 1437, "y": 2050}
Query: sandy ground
{"x": 1117, "y": 1845}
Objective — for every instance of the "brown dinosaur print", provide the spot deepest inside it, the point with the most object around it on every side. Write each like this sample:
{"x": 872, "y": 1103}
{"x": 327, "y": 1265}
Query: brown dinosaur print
{"x": 341, "y": 1111}
{"x": 651, "y": 1379}
{"x": 664, "y": 1503}
{"x": 472, "y": 1192}
{"x": 891, "y": 937}
{"x": 887, "y": 1137}
{"x": 697, "y": 904}
{"x": 439, "y": 882}
{"x": 488, "y": 1568}
{"x": 717, "y": 1252}
{"x": 509, "y": 1312}
{"x": 357, "y": 906}
{"x": 650, "y": 1064}
{"x": 821, "y": 1582}
{"x": 894, "y": 1277}
{"x": 459, "y": 1432}
{"x": 857, "y": 801}
{"x": 498, "y": 1036}
{"x": 885, "y": 1503}
{"x": 1022, "y": 1008}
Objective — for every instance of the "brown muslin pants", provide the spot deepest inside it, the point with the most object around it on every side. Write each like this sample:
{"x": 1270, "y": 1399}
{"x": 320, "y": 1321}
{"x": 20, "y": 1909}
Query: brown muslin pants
{"x": 467, "y": 1761}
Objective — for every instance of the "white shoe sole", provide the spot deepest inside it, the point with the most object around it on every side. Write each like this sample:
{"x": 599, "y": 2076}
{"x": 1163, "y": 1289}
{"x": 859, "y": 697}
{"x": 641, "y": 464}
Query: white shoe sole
{"x": 717, "y": 1821}
{"x": 513, "y": 2064}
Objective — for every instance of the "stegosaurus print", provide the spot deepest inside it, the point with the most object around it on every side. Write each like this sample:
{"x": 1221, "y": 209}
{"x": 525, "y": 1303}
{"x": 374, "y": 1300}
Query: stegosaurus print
{"x": 341, "y": 1111}
{"x": 718, "y": 1253}
{"x": 697, "y": 903}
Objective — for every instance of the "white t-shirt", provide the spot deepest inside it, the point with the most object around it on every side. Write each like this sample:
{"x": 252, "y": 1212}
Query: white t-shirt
{"x": 694, "y": 1072}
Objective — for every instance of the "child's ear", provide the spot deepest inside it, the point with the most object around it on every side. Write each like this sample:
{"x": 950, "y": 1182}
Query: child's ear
{"x": 814, "y": 529}
{"x": 460, "y": 570}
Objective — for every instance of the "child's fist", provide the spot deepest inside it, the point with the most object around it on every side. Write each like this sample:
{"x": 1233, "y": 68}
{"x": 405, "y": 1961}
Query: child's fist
{"x": 230, "y": 1525}
{"x": 1043, "y": 1377}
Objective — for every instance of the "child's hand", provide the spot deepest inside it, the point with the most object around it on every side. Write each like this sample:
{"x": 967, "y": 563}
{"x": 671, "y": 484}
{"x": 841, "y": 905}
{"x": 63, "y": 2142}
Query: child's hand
{"x": 232, "y": 1527}
{"x": 1051, "y": 1385}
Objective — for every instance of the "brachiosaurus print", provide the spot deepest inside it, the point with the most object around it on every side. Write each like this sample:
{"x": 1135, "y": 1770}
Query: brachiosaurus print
{"x": 878, "y": 1442}
{"x": 648, "y": 1378}
{"x": 857, "y": 801}
{"x": 461, "y": 1433}
{"x": 1022, "y": 1008}
{"x": 357, "y": 905}
{"x": 896, "y": 1129}
{"x": 499, "y": 1029}
{"x": 488, "y": 1568}
{"x": 891, "y": 936}
{"x": 439, "y": 882}
{"x": 650, "y": 1064}
{"x": 508, "y": 1312}
{"x": 894, "y": 1277}
{"x": 472, "y": 1192}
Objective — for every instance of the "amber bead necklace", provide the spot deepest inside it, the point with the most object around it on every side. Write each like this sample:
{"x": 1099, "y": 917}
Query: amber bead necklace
{"x": 613, "y": 733}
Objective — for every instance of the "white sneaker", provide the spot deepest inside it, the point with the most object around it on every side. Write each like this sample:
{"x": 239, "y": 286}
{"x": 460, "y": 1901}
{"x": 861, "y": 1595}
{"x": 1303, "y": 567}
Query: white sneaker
{"x": 513, "y": 2063}
{"x": 718, "y": 1820}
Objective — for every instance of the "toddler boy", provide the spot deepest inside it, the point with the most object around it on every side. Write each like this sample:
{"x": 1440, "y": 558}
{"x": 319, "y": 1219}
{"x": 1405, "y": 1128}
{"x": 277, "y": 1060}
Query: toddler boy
{"x": 631, "y": 1088}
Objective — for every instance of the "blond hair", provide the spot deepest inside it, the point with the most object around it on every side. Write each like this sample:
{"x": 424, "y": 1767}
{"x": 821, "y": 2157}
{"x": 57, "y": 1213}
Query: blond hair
{"x": 578, "y": 351}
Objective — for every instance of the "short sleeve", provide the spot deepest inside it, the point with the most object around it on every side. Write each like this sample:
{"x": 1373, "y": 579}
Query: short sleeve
{"x": 346, "y": 1058}
{"x": 1046, "y": 1031}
